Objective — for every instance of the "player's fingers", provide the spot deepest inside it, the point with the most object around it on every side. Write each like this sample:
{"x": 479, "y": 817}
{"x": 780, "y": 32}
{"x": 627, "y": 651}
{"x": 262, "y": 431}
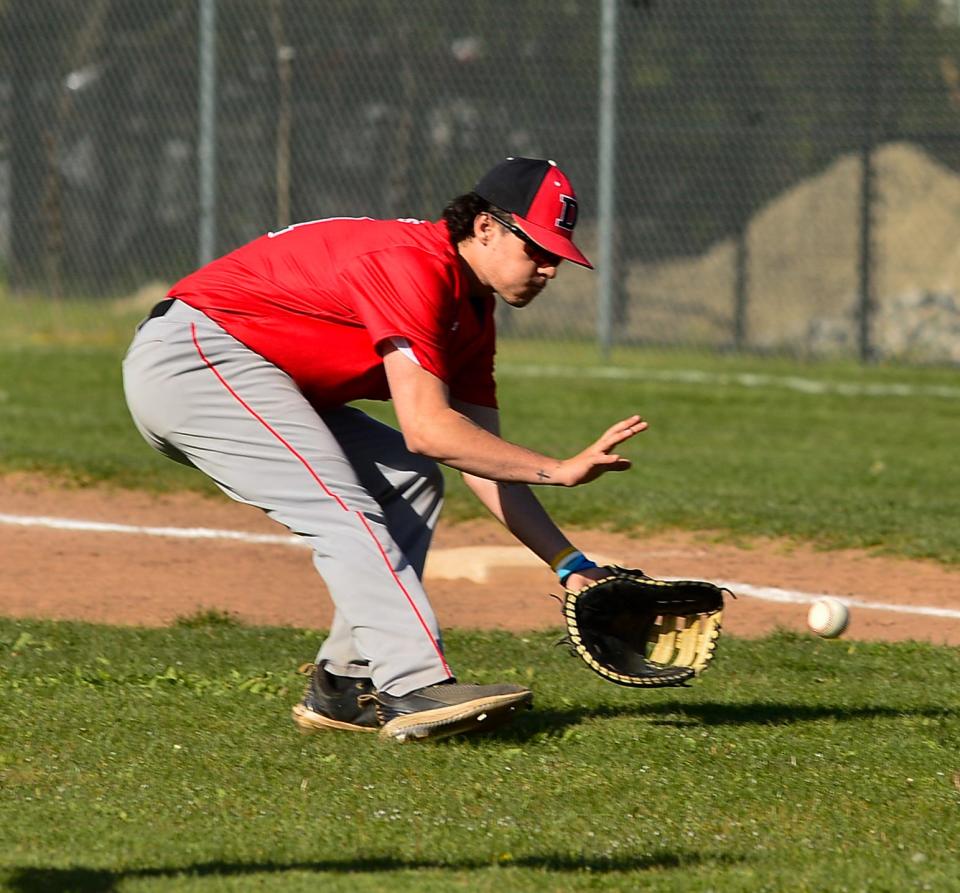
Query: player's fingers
{"x": 629, "y": 426}
{"x": 625, "y": 424}
{"x": 613, "y": 462}
{"x": 620, "y": 432}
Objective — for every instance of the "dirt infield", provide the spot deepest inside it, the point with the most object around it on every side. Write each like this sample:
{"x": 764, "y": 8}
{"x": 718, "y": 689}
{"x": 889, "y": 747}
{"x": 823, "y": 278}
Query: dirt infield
{"x": 476, "y": 576}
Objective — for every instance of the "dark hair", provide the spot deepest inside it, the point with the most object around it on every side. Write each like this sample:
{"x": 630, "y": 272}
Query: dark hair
{"x": 460, "y": 213}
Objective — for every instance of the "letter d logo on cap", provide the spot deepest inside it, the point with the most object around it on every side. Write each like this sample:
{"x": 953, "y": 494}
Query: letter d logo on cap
{"x": 568, "y": 216}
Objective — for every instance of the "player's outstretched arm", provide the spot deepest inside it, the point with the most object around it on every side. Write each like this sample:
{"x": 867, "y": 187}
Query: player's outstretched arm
{"x": 432, "y": 427}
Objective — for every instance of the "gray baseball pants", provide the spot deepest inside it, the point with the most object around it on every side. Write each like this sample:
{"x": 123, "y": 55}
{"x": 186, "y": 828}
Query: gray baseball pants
{"x": 340, "y": 479}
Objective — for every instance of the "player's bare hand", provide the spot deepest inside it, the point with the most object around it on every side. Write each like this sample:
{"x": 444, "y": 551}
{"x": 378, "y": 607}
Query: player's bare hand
{"x": 601, "y": 456}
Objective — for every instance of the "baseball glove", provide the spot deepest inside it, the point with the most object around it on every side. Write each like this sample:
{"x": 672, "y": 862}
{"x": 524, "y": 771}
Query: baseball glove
{"x": 636, "y": 631}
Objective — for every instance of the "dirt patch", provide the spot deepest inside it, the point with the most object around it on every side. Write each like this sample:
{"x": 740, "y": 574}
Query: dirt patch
{"x": 144, "y": 580}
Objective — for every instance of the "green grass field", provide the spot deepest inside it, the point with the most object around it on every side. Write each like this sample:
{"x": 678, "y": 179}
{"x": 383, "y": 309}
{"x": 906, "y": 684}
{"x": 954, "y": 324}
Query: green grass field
{"x": 140, "y": 760}
{"x": 165, "y": 760}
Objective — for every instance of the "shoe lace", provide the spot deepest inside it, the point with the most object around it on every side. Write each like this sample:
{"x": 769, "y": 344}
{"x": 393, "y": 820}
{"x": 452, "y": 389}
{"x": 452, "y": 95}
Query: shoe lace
{"x": 368, "y": 698}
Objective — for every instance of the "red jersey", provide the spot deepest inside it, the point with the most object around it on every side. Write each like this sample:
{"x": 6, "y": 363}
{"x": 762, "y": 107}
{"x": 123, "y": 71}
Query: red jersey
{"x": 319, "y": 300}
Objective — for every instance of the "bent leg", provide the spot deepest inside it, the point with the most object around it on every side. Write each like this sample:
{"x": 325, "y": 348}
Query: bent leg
{"x": 200, "y": 394}
{"x": 409, "y": 489}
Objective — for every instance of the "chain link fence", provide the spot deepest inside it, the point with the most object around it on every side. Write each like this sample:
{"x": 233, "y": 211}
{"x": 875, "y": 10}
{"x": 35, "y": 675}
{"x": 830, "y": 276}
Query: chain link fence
{"x": 757, "y": 175}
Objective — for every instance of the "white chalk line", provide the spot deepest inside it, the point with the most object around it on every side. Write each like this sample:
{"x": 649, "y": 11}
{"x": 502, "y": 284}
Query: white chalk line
{"x": 193, "y": 533}
{"x": 788, "y": 596}
{"x": 762, "y": 593}
{"x": 736, "y": 379}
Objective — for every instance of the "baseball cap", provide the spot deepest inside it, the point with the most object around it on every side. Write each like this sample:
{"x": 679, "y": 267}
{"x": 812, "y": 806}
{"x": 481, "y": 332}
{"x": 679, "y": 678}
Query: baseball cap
{"x": 541, "y": 199}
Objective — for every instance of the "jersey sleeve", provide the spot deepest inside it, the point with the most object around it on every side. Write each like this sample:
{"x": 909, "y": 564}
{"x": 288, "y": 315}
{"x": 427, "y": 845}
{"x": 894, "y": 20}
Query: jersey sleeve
{"x": 406, "y": 293}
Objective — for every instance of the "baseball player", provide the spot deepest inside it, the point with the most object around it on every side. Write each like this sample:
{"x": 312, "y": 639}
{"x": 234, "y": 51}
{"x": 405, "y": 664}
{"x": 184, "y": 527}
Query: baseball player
{"x": 247, "y": 371}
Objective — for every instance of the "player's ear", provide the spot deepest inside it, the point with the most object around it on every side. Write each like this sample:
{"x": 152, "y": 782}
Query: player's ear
{"x": 483, "y": 226}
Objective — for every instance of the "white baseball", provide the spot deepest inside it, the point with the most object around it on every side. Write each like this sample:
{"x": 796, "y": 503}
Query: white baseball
{"x": 828, "y": 617}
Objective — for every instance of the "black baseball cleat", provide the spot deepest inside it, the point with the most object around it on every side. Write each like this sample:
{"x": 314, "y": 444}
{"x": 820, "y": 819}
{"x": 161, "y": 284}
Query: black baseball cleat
{"x": 448, "y": 708}
{"x": 336, "y": 702}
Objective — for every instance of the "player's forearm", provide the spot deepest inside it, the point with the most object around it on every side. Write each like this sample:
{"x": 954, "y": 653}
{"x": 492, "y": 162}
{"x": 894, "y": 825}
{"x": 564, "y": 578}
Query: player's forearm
{"x": 519, "y": 510}
{"x": 467, "y": 437}
{"x": 454, "y": 440}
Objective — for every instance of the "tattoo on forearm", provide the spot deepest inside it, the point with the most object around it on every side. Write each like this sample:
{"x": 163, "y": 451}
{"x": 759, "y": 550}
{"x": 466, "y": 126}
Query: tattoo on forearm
{"x": 542, "y": 475}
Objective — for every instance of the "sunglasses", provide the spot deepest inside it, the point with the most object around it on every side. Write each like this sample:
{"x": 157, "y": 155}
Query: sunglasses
{"x": 533, "y": 249}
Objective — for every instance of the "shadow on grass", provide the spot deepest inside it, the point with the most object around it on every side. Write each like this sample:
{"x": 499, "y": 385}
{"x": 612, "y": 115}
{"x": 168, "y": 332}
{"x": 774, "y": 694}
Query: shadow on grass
{"x": 679, "y": 713}
{"x": 92, "y": 880}
{"x": 780, "y": 714}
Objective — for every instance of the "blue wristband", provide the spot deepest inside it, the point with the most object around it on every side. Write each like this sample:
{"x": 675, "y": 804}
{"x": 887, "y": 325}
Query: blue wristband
{"x": 573, "y": 565}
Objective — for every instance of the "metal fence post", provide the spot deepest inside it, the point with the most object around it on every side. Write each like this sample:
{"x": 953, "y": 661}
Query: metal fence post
{"x": 868, "y": 140}
{"x": 606, "y": 139}
{"x": 207, "y": 132}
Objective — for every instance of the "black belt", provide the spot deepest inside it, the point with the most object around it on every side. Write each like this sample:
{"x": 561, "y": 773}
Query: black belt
{"x": 158, "y": 310}
{"x": 161, "y": 308}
